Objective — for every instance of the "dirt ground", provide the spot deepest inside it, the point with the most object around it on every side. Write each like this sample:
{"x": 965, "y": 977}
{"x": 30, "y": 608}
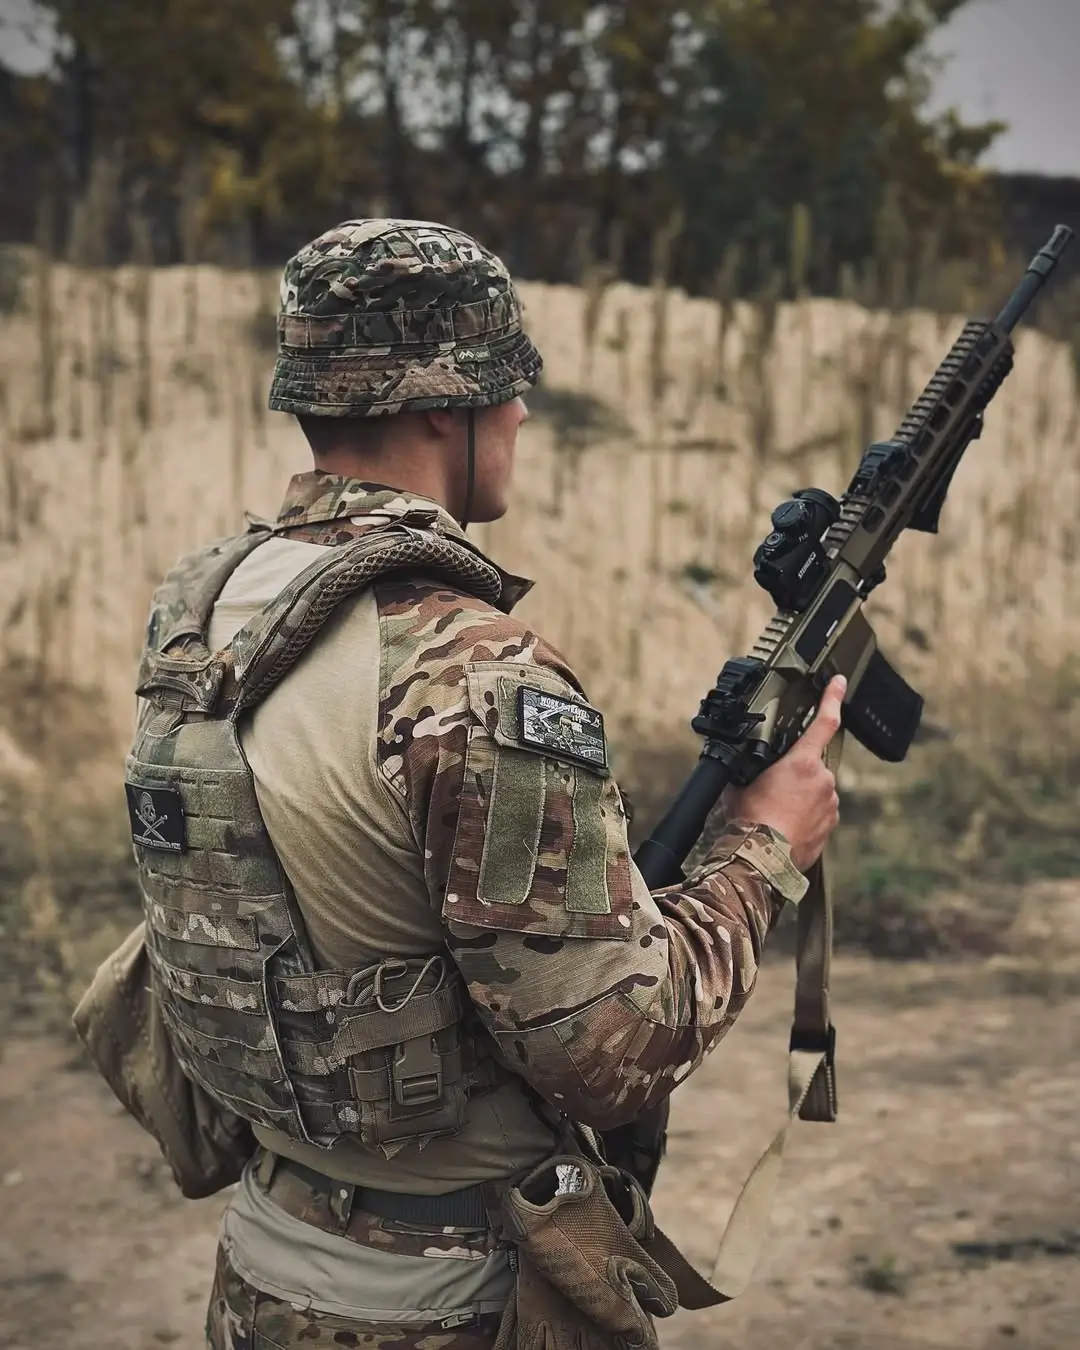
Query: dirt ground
{"x": 941, "y": 1211}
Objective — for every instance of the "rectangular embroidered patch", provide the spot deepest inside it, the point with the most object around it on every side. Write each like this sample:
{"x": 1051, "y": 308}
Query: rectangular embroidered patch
{"x": 157, "y": 817}
{"x": 567, "y": 730}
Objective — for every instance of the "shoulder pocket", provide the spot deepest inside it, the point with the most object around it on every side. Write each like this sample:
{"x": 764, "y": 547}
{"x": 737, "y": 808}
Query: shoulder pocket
{"x": 541, "y": 835}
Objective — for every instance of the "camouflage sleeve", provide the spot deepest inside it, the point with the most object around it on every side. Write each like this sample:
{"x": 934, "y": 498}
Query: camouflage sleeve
{"x": 603, "y": 995}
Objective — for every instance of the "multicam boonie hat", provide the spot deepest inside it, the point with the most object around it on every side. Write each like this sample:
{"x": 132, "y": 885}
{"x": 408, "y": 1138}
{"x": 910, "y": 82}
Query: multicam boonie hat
{"x": 389, "y": 316}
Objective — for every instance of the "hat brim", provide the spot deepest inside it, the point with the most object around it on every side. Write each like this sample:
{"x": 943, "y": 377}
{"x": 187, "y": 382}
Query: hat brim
{"x": 382, "y": 383}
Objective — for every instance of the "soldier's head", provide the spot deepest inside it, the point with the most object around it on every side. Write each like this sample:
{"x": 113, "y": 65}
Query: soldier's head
{"x": 402, "y": 352}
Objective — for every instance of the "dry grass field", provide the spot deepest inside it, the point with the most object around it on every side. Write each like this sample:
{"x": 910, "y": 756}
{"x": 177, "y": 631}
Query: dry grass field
{"x": 939, "y": 1212}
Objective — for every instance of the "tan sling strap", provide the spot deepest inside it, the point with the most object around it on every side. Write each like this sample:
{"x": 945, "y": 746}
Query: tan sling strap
{"x": 811, "y": 1096}
{"x": 813, "y": 1035}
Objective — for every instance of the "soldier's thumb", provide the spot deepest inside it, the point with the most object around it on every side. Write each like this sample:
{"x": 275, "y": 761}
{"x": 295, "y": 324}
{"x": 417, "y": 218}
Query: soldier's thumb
{"x": 826, "y": 721}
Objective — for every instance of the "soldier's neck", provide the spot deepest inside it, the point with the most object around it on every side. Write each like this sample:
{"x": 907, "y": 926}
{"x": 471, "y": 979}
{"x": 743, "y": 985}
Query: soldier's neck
{"x": 414, "y": 470}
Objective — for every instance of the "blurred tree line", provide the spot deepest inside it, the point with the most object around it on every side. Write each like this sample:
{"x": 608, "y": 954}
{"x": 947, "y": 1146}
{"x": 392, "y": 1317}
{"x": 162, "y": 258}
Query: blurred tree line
{"x": 630, "y": 136}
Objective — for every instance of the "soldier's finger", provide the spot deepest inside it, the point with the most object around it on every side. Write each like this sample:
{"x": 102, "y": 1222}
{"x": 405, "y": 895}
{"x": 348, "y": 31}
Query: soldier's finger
{"x": 826, "y": 721}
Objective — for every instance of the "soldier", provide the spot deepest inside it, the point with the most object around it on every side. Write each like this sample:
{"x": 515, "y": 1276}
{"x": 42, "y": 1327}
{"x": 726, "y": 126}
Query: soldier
{"x": 394, "y": 939}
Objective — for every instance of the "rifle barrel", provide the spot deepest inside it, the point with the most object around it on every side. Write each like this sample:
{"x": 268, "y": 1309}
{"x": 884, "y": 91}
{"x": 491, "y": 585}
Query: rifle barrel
{"x": 660, "y": 857}
{"x": 1039, "y": 270}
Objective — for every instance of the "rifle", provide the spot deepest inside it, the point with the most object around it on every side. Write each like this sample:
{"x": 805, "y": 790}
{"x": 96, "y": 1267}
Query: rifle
{"x": 820, "y": 562}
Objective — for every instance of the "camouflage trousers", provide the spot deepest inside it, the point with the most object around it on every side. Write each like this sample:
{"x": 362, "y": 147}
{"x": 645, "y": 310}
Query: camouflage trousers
{"x": 295, "y": 1270}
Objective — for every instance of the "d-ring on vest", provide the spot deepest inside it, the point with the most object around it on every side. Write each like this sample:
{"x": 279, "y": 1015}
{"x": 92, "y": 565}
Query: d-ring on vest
{"x": 388, "y": 1052}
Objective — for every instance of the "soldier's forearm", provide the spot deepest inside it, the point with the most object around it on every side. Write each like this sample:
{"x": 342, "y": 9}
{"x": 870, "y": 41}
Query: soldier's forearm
{"x": 606, "y": 1029}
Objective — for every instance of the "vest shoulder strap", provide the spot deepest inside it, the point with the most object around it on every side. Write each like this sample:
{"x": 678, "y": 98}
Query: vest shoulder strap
{"x": 182, "y": 604}
{"x": 267, "y": 647}
{"x": 176, "y": 661}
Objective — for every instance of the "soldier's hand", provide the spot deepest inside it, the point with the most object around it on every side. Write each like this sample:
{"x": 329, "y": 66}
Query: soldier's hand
{"x": 797, "y": 795}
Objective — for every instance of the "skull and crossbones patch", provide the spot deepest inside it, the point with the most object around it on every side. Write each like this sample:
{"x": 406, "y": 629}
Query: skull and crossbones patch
{"x": 157, "y": 817}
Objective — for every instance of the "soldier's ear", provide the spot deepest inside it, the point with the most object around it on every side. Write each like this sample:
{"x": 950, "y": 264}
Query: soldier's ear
{"x": 442, "y": 423}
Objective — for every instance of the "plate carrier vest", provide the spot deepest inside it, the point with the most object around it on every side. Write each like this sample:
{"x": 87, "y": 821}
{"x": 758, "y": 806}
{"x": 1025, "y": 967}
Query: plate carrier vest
{"x": 389, "y": 1052}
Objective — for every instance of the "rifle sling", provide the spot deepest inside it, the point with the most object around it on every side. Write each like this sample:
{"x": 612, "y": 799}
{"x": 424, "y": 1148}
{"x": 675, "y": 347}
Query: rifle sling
{"x": 812, "y": 1031}
{"x": 811, "y": 1096}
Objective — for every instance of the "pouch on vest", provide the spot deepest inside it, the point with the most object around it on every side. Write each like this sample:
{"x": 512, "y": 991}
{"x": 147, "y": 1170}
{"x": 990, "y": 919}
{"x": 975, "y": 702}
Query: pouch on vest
{"x": 119, "y": 1022}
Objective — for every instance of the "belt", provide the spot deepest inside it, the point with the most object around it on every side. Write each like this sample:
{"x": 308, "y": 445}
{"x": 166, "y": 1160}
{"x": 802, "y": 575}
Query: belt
{"x": 456, "y": 1209}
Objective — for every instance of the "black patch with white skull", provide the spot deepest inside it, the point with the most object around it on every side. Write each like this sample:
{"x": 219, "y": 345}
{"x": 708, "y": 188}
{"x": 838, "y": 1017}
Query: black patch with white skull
{"x": 157, "y": 817}
{"x": 563, "y": 728}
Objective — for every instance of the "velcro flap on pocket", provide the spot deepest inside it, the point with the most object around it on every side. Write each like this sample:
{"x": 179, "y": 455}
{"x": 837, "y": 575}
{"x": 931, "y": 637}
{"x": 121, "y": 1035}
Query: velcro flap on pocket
{"x": 541, "y": 837}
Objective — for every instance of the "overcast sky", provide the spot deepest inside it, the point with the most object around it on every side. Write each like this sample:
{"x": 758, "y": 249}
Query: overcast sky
{"x": 1016, "y": 60}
